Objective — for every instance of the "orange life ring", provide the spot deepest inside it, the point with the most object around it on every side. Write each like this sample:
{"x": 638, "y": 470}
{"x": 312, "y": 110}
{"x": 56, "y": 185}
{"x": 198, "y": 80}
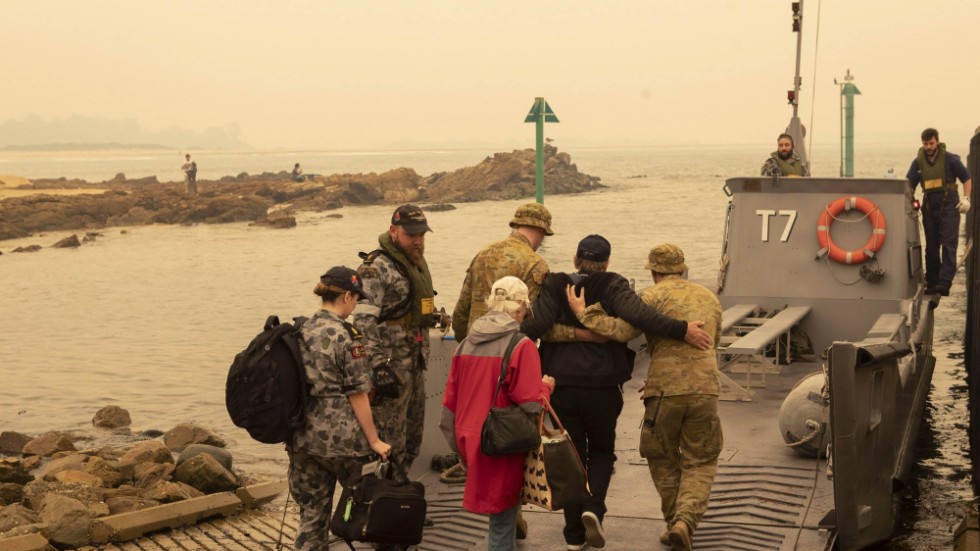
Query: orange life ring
{"x": 857, "y": 256}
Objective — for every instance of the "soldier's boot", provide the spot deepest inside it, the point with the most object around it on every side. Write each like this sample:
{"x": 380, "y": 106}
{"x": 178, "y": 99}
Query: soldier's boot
{"x": 680, "y": 536}
{"x": 665, "y": 537}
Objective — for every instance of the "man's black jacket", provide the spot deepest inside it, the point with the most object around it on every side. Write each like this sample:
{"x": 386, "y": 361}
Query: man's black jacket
{"x": 586, "y": 363}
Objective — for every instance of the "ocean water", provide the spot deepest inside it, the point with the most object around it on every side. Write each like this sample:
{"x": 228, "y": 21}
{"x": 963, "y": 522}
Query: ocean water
{"x": 150, "y": 319}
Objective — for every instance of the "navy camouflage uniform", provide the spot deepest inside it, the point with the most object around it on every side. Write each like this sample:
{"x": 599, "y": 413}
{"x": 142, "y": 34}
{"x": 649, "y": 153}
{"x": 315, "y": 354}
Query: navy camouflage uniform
{"x": 406, "y": 350}
{"x": 331, "y": 447}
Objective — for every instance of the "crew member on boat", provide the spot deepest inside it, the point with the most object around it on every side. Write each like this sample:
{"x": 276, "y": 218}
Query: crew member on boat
{"x": 937, "y": 170}
{"x": 785, "y": 161}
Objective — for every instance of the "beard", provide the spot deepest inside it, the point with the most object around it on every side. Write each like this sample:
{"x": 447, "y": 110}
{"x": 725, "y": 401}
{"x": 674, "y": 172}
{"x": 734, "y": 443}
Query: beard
{"x": 414, "y": 254}
{"x": 786, "y": 156}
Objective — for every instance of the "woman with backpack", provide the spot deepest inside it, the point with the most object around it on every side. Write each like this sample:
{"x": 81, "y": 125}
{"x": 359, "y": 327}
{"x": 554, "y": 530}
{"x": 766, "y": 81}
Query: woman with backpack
{"x": 493, "y": 483}
{"x": 339, "y": 435}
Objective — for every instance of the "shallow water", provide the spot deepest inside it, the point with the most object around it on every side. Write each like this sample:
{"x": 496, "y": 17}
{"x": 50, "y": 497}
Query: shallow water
{"x": 150, "y": 319}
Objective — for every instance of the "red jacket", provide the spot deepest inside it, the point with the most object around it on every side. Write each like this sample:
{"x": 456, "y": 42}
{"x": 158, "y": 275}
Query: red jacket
{"x": 493, "y": 484}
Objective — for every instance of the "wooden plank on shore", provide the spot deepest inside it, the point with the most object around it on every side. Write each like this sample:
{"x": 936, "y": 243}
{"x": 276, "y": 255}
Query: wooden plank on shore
{"x": 260, "y": 494}
{"x": 131, "y": 525}
{"x": 27, "y": 542}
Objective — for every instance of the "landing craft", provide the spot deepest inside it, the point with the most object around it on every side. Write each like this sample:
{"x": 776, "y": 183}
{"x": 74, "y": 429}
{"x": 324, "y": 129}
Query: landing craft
{"x": 840, "y": 296}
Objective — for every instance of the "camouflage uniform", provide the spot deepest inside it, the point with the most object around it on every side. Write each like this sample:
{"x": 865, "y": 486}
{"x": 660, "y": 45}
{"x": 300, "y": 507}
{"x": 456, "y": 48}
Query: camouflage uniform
{"x": 774, "y": 166}
{"x": 406, "y": 349}
{"x": 681, "y": 435}
{"x": 332, "y": 446}
{"x": 512, "y": 256}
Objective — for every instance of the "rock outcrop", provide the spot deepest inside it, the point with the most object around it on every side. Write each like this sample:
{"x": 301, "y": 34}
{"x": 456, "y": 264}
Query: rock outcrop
{"x": 245, "y": 198}
{"x": 48, "y": 487}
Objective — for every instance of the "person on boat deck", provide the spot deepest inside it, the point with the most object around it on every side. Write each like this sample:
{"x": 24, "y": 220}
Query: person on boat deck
{"x": 493, "y": 484}
{"x": 589, "y": 375}
{"x": 681, "y": 435}
{"x": 396, "y": 318}
{"x": 937, "y": 170}
{"x": 339, "y": 434}
{"x": 785, "y": 161}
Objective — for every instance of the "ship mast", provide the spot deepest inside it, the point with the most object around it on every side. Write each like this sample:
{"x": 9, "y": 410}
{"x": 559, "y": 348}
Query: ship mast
{"x": 795, "y": 128}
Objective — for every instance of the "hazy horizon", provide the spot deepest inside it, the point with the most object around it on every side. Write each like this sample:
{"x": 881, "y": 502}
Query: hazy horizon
{"x": 382, "y": 75}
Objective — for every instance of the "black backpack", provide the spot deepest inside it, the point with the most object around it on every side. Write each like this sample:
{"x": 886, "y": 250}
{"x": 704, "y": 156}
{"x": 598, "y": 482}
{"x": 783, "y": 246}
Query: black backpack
{"x": 266, "y": 388}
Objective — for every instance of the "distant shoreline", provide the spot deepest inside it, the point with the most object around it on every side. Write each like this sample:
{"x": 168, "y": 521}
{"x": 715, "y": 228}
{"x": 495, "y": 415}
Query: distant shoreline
{"x": 61, "y": 147}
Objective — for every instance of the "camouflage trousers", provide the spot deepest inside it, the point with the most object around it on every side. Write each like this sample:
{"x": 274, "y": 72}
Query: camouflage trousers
{"x": 399, "y": 420}
{"x": 682, "y": 450}
{"x": 312, "y": 481}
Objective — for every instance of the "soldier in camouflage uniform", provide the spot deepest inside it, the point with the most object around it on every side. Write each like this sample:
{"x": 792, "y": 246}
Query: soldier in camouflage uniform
{"x": 785, "y": 161}
{"x": 513, "y": 256}
{"x": 339, "y": 434}
{"x": 681, "y": 435}
{"x": 396, "y": 321}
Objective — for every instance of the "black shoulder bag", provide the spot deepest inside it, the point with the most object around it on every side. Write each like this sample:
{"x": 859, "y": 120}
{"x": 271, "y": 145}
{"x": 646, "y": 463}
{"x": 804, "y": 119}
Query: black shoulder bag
{"x": 509, "y": 430}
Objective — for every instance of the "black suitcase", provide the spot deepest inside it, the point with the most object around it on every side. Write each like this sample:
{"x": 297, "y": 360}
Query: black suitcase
{"x": 380, "y": 510}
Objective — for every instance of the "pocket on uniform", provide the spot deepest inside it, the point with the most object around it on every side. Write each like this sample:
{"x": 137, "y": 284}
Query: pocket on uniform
{"x": 713, "y": 440}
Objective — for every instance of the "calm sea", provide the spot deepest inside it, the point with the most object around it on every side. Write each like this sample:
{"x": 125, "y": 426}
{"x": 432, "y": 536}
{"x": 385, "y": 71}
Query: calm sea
{"x": 149, "y": 320}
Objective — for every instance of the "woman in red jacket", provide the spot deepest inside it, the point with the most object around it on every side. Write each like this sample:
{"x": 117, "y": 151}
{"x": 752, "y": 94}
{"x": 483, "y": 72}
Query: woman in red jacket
{"x": 493, "y": 484}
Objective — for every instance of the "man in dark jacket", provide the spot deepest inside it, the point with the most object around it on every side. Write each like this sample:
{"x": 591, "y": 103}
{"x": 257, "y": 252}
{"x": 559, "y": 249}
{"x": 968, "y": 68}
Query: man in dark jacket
{"x": 589, "y": 375}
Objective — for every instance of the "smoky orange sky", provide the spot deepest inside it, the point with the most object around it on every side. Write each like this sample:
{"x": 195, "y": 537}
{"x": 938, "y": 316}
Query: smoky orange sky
{"x": 385, "y": 73}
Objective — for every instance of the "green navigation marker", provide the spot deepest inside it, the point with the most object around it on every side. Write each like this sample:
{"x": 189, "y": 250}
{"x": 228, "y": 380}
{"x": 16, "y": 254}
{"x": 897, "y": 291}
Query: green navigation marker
{"x": 540, "y": 113}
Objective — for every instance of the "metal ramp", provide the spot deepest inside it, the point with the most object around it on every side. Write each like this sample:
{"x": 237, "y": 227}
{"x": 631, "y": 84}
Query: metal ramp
{"x": 744, "y": 352}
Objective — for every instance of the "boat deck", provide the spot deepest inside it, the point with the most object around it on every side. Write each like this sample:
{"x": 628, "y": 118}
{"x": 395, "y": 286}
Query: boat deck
{"x": 765, "y": 497}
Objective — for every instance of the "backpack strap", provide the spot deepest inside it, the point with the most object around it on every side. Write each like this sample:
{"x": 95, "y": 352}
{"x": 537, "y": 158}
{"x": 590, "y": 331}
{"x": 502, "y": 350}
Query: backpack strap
{"x": 403, "y": 306}
{"x": 515, "y": 339}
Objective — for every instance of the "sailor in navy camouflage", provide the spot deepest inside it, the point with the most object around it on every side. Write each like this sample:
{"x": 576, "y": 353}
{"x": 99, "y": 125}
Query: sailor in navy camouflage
{"x": 396, "y": 321}
{"x": 339, "y": 434}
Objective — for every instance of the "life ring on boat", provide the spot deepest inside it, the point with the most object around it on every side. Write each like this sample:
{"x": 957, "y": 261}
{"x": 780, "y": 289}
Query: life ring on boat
{"x": 857, "y": 256}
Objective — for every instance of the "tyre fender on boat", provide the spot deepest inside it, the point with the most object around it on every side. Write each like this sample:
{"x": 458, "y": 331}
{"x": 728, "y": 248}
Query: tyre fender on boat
{"x": 856, "y": 256}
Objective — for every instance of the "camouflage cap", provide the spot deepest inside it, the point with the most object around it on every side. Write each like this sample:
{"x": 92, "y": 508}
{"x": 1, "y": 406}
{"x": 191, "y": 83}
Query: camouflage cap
{"x": 535, "y": 215}
{"x": 666, "y": 258}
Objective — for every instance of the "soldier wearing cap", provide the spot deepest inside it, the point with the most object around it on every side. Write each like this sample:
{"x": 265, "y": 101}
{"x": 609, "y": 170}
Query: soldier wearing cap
{"x": 515, "y": 256}
{"x": 589, "y": 375}
{"x": 339, "y": 434}
{"x": 681, "y": 434}
{"x": 396, "y": 321}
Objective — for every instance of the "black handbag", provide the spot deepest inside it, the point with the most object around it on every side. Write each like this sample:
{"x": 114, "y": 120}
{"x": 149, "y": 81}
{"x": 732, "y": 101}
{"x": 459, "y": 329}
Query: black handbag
{"x": 509, "y": 430}
{"x": 380, "y": 510}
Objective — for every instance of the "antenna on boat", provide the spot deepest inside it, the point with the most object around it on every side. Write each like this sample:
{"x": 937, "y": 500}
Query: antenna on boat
{"x": 795, "y": 128}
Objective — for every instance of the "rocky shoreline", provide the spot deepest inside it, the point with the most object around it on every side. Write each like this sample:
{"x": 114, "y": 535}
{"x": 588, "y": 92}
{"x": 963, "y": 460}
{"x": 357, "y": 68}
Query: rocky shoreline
{"x": 72, "y": 496}
{"x": 271, "y": 199}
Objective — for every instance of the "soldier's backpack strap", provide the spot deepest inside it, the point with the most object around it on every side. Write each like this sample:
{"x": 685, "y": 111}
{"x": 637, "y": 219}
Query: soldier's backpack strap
{"x": 403, "y": 306}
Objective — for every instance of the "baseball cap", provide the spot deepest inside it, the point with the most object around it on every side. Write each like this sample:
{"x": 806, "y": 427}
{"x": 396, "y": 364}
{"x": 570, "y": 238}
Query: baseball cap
{"x": 509, "y": 288}
{"x": 595, "y": 248}
{"x": 411, "y": 218}
{"x": 342, "y": 278}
